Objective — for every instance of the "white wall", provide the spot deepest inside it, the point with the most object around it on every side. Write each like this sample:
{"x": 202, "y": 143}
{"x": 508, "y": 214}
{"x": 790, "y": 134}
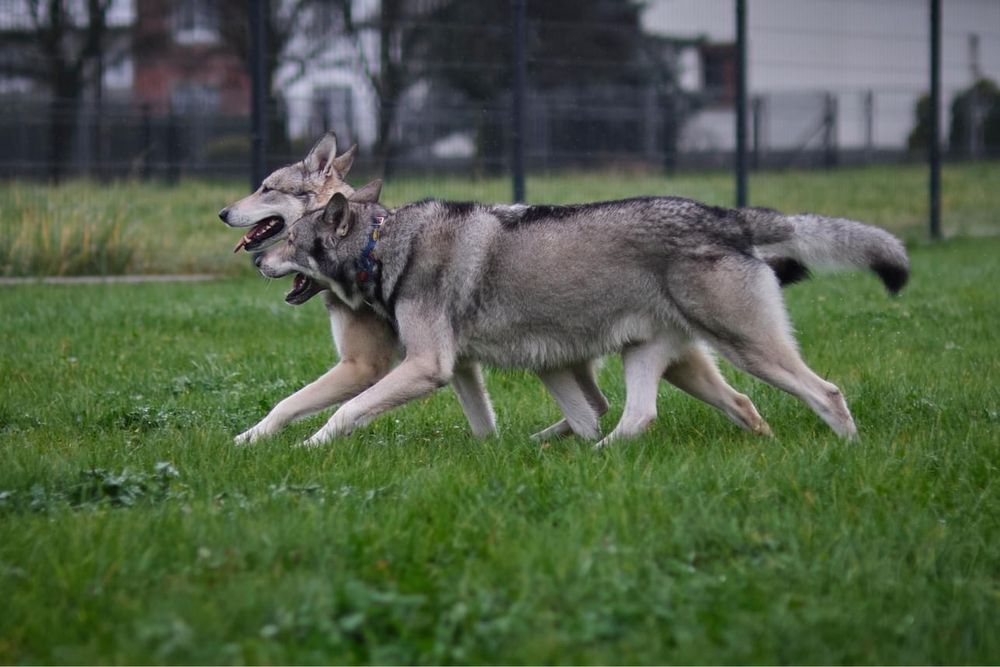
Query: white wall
{"x": 842, "y": 46}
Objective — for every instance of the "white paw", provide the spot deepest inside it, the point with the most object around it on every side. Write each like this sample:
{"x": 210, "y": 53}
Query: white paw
{"x": 601, "y": 444}
{"x": 245, "y": 438}
{"x": 557, "y": 430}
{"x": 251, "y": 435}
{"x": 313, "y": 442}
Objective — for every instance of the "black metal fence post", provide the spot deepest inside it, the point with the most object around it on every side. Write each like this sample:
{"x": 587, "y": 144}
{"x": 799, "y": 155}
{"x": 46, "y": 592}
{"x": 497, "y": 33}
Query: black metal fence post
{"x": 756, "y": 120}
{"x": 173, "y": 170}
{"x": 934, "y": 140}
{"x": 258, "y": 11}
{"x": 869, "y": 105}
{"x": 741, "y": 103}
{"x": 518, "y": 11}
{"x": 830, "y": 131}
{"x": 146, "y": 139}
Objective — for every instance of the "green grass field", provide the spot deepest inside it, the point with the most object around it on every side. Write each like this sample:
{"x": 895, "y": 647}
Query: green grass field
{"x": 132, "y": 531}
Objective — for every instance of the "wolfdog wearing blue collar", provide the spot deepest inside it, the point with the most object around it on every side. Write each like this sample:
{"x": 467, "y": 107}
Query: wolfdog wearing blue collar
{"x": 656, "y": 279}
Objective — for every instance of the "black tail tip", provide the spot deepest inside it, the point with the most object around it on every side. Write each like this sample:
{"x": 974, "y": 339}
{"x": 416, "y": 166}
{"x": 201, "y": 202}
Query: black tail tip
{"x": 787, "y": 270}
{"x": 893, "y": 276}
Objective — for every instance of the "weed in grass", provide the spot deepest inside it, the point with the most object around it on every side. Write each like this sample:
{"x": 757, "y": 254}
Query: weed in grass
{"x": 94, "y": 487}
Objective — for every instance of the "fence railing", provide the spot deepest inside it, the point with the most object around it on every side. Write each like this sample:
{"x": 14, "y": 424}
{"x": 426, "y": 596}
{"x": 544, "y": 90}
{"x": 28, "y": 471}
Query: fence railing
{"x": 717, "y": 84}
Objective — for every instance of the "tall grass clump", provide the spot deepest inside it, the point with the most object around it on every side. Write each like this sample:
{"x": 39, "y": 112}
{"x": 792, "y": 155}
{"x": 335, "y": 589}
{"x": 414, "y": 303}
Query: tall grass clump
{"x": 50, "y": 232}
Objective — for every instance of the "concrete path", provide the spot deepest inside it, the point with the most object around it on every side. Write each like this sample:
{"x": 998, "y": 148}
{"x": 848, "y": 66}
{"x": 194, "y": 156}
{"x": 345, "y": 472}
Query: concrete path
{"x": 102, "y": 280}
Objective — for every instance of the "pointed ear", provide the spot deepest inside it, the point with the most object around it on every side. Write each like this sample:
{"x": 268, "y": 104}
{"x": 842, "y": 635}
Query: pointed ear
{"x": 342, "y": 164}
{"x": 322, "y": 154}
{"x": 368, "y": 193}
{"x": 337, "y": 214}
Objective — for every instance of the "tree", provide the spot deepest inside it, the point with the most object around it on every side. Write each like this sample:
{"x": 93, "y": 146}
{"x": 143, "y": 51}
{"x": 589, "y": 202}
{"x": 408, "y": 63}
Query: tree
{"x": 286, "y": 20}
{"x": 467, "y": 47}
{"x": 979, "y": 103}
{"x": 69, "y": 38}
{"x": 569, "y": 42}
{"x": 401, "y": 30}
{"x": 577, "y": 51}
{"x": 975, "y": 120}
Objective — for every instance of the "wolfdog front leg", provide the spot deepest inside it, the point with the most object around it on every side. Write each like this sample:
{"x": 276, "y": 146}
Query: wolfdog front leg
{"x": 367, "y": 348}
{"x": 344, "y": 381}
{"x": 417, "y": 376}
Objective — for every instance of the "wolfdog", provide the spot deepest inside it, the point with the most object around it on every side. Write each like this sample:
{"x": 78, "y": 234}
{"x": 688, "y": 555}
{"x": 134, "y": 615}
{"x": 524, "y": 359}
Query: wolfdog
{"x": 366, "y": 345}
{"x": 548, "y": 287}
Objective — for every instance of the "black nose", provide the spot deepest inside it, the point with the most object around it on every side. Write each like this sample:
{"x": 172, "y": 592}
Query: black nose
{"x": 223, "y": 214}
{"x": 257, "y": 259}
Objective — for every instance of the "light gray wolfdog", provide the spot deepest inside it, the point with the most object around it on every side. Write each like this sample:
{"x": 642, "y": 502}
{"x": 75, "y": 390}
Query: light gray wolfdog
{"x": 367, "y": 347}
{"x": 551, "y": 287}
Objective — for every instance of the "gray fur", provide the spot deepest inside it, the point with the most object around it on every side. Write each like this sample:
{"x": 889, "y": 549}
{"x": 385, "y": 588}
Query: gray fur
{"x": 552, "y": 287}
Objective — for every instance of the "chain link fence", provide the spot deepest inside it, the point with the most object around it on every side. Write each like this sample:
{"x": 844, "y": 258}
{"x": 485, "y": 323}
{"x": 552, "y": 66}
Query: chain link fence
{"x": 161, "y": 90}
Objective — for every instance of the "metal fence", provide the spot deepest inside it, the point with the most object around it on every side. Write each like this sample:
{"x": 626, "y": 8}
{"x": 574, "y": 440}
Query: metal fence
{"x": 498, "y": 89}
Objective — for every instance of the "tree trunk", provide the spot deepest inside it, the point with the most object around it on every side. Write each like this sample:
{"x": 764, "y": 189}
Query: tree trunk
{"x": 384, "y": 148}
{"x": 62, "y": 122}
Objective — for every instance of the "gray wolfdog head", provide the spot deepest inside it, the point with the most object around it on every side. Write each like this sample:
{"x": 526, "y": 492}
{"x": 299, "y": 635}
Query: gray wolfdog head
{"x": 322, "y": 246}
{"x": 288, "y": 193}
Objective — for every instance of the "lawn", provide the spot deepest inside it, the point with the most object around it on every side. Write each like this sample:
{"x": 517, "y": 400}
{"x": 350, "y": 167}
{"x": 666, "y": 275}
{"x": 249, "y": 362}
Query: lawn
{"x": 132, "y": 531}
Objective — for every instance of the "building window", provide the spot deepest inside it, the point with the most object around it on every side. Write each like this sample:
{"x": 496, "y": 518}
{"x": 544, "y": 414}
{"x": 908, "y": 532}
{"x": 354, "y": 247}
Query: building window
{"x": 196, "y": 21}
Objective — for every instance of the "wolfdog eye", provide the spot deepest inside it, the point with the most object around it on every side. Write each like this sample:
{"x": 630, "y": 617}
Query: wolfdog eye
{"x": 264, "y": 190}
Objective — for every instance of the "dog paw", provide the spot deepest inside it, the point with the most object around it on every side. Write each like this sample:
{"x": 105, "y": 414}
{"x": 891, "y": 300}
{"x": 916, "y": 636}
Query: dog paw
{"x": 604, "y": 443}
{"x": 245, "y": 438}
{"x": 558, "y": 430}
{"x": 249, "y": 437}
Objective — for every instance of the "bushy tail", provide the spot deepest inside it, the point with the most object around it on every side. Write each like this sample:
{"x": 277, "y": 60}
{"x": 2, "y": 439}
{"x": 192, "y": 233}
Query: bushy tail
{"x": 791, "y": 244}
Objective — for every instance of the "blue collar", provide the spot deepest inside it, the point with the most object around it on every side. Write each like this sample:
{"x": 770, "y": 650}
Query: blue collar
{"x": 367, "y": 268}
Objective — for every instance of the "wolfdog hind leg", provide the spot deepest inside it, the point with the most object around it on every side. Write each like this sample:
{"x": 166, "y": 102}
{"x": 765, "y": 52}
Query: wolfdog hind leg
{"x": 584, "y": 374}
{"x": 472, "y": 395}
{"x": 644, "y": 365}
{"x": 747, "y": 322}
{"x": 695, "y": 373}
{"x": 580, "y": 416}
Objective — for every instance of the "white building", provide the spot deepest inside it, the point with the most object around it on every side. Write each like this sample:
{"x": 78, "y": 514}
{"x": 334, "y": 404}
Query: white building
{"x": 861, "y": 51}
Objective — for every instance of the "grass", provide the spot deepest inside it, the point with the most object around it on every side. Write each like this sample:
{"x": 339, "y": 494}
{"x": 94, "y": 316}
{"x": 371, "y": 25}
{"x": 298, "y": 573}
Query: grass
{"x": 132, "y": 531}
{"x": 86, "y": 228}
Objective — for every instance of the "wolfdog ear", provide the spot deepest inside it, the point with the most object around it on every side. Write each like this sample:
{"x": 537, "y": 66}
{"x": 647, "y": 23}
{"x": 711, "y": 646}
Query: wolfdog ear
{"x": 338, "y": 214}
{"x": 322, "y": 153}
{"x": 343, "y": 163}
{"x": 368, "y": 193}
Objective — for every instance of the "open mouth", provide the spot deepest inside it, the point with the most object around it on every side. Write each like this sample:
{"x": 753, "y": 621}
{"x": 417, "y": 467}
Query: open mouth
{"x": 303, "y": 289}
{"x": 261, "y": 232}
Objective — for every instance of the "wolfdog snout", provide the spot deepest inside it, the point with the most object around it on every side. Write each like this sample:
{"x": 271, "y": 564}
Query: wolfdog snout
{"x": 224, "y": 214}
